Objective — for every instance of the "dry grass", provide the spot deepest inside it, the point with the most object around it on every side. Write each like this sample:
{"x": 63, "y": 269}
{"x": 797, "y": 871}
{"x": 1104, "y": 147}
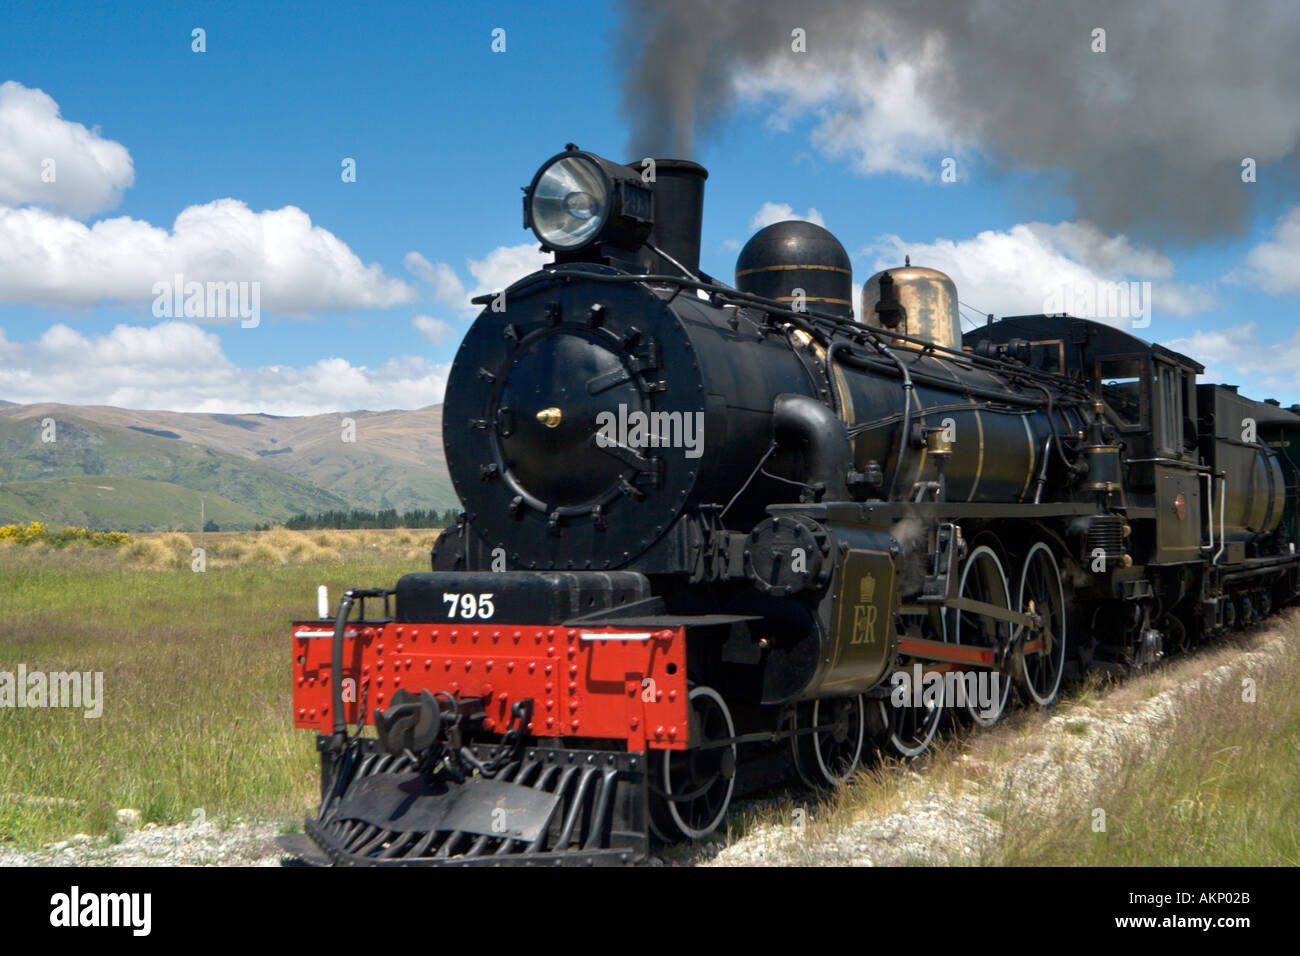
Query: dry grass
{"x": 1217, "y": 784}
{"x": 1188, "y": 772}
{"x": 276, "y": 547}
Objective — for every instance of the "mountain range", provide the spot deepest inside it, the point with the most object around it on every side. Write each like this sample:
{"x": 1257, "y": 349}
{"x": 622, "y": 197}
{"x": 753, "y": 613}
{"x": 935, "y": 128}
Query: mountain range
{"x": 130, "y": 470}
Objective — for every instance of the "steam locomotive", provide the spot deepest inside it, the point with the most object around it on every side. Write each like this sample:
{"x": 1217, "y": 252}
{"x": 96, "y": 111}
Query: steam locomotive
{"x": 710, "y": 531}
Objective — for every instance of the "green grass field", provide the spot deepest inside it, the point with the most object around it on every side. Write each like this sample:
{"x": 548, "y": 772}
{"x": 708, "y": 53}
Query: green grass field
{"x": 197, "y": 712}
{"x": 196, "y": 670}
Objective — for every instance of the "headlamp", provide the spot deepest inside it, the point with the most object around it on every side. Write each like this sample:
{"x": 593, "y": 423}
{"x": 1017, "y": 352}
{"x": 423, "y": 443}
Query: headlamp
{"x": 578, "y": 199}
{"x": 570, "y": 201}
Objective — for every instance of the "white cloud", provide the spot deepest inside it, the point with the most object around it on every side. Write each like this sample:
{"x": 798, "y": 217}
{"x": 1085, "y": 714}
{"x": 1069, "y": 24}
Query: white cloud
{"x": 873, "y": 109}
{"x": 446, "y": 285}
{"x": 434, "y": 331}
{"x": 1236, "y": 355}
{"x": 495, "y": 271}
{"x": 181, "y": 367}
{"x": 1274, "y": 265}
{"x": 46, "y": 258}
{"x": 771, "y": 212}
{"x": 1020, "y": 271}
{"x": 89, "y": 172}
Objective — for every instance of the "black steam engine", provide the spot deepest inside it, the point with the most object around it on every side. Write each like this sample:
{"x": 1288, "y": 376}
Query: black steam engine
{"x": 712, "y": 530}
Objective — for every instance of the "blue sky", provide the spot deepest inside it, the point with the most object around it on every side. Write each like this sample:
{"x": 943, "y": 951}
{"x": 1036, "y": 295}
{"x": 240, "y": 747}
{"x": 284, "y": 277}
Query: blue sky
{"x": 444, "y": 131}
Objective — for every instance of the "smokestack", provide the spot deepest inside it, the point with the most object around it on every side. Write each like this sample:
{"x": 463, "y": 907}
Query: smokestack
{"x": 679, "y": 215}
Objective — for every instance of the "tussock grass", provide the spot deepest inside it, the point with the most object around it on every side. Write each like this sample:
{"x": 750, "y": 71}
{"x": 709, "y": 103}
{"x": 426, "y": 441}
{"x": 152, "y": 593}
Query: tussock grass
{"x": 196, "y": 711}
{"x": 1216, "y": 784}
{"x": 145, "y": 553}
{"x": 176, "y": 541}
{"x": 1220, "y": 787}
{"x": 264, "y": 553}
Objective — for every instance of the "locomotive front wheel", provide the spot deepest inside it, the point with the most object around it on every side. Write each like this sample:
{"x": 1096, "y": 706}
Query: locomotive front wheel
{"x": 1041, "y": 592}
{"x": 982, "y": 579}
{"x": 828, "y": 758}
{"x": 695, "y": 786}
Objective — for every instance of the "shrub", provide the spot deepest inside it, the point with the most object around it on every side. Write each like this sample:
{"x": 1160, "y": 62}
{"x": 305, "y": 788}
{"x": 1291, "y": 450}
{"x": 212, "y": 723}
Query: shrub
{"x": 38, "y": 532}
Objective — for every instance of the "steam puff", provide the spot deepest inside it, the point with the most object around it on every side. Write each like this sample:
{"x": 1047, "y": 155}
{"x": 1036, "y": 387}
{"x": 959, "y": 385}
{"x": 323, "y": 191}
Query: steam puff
{"x": 1148, "y": 136}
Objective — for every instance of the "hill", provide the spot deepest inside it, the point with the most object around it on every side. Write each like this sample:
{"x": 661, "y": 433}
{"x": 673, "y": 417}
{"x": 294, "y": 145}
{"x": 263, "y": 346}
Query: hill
{"x": 269, "y": 466}
{"x": 123, "y": 504}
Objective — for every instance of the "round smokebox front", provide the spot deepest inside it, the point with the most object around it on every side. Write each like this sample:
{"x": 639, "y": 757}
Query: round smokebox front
{"x": 572, "y": 424}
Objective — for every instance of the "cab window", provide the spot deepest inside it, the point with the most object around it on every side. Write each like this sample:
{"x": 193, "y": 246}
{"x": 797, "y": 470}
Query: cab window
{"x": 1169, "y": 389}
{"x": 1121, "y": 380}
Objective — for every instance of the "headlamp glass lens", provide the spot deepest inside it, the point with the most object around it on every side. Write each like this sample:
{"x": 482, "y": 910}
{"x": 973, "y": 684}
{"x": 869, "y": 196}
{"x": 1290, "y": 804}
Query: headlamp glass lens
{"x": 570, "y": 202}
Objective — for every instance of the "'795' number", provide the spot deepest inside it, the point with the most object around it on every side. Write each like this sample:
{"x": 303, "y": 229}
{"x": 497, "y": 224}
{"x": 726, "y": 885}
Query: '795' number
{"x": 469, "y": 606}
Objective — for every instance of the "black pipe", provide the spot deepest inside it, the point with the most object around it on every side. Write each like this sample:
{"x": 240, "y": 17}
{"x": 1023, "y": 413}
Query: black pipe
{"x": 336, "y": 665}
{"x": 947, "y": 384}
{"x": 805, "y": 320}
{"x": 336, "y": 657}
{"x": 1076, "y": 468}
{"x": 830, "y": 454}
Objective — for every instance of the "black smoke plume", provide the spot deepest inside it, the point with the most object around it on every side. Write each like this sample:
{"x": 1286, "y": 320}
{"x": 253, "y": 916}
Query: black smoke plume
{"x": 1148, "y": 136}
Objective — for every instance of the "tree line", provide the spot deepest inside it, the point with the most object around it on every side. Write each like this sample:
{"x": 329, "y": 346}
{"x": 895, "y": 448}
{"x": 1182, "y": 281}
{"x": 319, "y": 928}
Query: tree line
{"x": 357, "y": 518}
